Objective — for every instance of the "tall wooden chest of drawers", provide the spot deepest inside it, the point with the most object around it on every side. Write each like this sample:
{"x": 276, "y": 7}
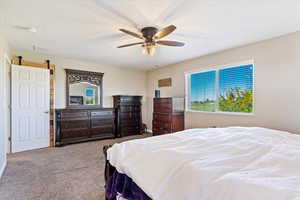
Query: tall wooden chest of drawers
{"x": 128, "y": 115}
{"x": 78, "y": 125}
{"x": 168, "y": 115}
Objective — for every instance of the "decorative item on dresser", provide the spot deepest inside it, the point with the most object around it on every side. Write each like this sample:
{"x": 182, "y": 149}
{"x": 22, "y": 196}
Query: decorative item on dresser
{"x": 128, "y": 115}
{"x": 168, "y": 115}
{"x": 84, "y": 124}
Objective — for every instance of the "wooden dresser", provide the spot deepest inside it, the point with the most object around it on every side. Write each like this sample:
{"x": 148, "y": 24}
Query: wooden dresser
{"x": 168, "y": 115}
{"x": 78, "y": 125}
{"x": 128, "y": 115}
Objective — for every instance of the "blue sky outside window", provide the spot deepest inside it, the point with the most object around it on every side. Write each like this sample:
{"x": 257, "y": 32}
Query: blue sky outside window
{"x": 236, "y": 77}
{"x": 203, "y": 86}
{"x": 203, "y": 91}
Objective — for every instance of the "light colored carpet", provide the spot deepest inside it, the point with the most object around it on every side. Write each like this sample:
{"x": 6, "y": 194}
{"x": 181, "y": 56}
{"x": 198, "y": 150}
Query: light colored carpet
{"x": 73, "y": 172}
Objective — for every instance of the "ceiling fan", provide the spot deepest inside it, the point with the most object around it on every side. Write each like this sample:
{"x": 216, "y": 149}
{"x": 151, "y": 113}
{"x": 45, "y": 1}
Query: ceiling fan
{"x": 151, "y": 36}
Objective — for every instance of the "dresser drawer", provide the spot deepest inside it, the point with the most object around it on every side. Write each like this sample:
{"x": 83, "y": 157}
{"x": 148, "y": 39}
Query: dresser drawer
{"x": 99, "y": 122}
{"x": 159, "y": 131}
{"x": 126, "y": 131}
{"x": 130, "y": 108}
{"x": 102, "y": 133}
{"x": 166, "y": 125}
{"x": 161, "y": 117}
{"x": 102, "y": 130}
{"x": 125, "y": 122}
{"x": 74, "y": 115}
{"x": 73, "y": 125}
{"x": 101, "y": 113}
{"x": 130, "y": 116}
{"x": 162, "y": 108}
{"x": 74, "y": 133}
{"x": 163, "y": 100}
{"x": 127, "y": 101}
{"x": 162, "y": 126}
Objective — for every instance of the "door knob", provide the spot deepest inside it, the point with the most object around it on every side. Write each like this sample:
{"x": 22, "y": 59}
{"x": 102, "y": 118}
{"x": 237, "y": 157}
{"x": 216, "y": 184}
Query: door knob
{"x": 46, "y": 112}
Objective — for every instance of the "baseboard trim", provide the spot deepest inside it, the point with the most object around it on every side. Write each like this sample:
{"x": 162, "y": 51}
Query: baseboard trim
{"x": 3, "y": 168}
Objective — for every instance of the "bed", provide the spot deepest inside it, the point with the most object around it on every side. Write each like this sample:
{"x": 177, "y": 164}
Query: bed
{"x": 231, "y": 163}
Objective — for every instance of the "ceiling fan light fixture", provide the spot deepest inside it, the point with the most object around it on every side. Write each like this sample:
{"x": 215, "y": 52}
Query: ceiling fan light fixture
{"x": 149, "y": 49}
{"x": 151, "y": 37}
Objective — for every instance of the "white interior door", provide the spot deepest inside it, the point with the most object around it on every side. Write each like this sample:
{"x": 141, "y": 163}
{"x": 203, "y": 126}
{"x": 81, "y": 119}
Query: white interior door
{"x": 30, "y": 108}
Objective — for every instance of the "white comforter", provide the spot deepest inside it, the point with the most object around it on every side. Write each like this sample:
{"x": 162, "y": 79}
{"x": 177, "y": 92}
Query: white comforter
{"x": 233, "y": 163}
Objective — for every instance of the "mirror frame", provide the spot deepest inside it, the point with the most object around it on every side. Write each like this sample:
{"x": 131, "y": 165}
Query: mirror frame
{"x": 77, "y": 76}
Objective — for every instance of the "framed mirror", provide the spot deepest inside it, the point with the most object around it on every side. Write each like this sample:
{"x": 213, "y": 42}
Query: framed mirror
{"x": 83, "y": 88}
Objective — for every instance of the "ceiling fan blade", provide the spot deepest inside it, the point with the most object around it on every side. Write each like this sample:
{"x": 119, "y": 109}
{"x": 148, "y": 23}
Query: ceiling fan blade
{"x": 170, "y": 43}
{"x": 128, "y": 45}
{"x": 132, "y": 33}
{"x": 164, "y": 32}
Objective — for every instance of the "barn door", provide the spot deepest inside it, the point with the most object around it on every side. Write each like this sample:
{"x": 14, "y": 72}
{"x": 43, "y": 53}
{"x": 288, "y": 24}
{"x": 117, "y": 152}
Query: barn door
{"x": 30, "y": 108}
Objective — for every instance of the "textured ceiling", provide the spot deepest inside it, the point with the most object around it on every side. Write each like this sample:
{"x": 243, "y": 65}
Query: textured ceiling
{"x": 88, "y": 29}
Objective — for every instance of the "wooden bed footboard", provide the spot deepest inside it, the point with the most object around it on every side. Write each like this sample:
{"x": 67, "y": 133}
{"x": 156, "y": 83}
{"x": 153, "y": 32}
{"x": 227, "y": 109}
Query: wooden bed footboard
{"x": 109, "y": 169}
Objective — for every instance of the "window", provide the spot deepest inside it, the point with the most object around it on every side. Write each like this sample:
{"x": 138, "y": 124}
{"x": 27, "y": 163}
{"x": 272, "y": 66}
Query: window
{"x": 223, "y": 90}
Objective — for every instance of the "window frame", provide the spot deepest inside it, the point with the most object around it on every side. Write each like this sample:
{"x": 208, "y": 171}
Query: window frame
{"x": 216, "y": 68}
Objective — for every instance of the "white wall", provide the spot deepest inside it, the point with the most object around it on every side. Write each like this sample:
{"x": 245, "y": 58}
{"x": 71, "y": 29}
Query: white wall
{"x": 116, "y": 81}
{"x": 277, "y": 88}
{"x": 4, "y": 51}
